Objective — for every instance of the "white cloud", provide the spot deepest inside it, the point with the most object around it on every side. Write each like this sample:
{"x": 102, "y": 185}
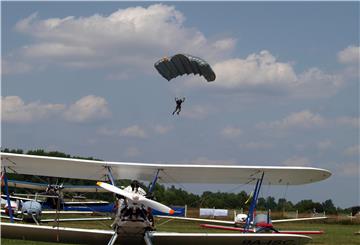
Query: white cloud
{"x": 132, "y": 152}
{"x": 231, "y": 132}
{"x": 302, "y": 119}
{"x": 88, "y": 108}
{"x": 56, "y": 50}
{"x": 133, "y": 131}
{"x": 256, "y": 145}
{"x": 256, "y": 70}
{"x": 107, "y": 131}
{"x": 162, "y": 129}
{"x": 133, "y": 37}
{"x": 314, "y": 83}
{"x": 348, "y": 169}
{"x": 207, "y": 161}
{"x": 297, "y": 161}
{"x": 263, "y": 73}
{"x": 350, "y": 55}
{"x": 325, "y": 144}
{"x": 118, "y": 76}
{"x": 13, "y": 67}
{"x": 353, "y": 150}
{"x": 15, "y": 110}
{"x": 225, "y": 44}
{"x": 196, "y": 112}
{"x": 349, "y": 121}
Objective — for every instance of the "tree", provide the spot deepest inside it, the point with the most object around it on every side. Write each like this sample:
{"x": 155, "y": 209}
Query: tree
{"x": 329, "y": 207}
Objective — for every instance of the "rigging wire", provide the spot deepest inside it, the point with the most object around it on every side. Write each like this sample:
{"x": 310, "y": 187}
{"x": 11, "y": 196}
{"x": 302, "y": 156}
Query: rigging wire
{"x": 203, "y": 199}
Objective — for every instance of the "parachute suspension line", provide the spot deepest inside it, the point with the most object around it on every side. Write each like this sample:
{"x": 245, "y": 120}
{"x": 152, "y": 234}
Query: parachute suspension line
{"x": 5, "y": 179}
{"x": 250, "y": 216}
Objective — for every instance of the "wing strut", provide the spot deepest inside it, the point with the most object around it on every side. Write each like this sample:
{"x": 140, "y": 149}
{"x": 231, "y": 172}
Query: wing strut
{"x": 250, "y": 217}
{"x": 110, "y": 175}
{"x": 152, "y": 185}
{"x": 34, "y": 218}
{"x": 4, "y": 177}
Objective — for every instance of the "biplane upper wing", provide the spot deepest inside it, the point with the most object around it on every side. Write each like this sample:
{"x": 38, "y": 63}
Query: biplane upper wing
{"x": 169, "y": 173}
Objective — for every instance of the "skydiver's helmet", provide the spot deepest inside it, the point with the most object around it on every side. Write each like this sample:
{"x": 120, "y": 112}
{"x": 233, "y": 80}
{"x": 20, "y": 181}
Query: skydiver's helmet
{"x": 135, "y": 185}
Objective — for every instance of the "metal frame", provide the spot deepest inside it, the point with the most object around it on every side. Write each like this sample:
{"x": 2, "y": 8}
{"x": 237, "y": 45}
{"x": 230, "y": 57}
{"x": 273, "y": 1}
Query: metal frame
{"x": 250, "y": 216}
{"x": 152, "y": 186}
{"x": 110, "y": 175}
{"x": 4, "y": 176}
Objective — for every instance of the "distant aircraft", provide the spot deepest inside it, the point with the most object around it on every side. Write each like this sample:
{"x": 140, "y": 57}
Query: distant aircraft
{"x": 261, "y": 223}
{"x": 31, "y": 211}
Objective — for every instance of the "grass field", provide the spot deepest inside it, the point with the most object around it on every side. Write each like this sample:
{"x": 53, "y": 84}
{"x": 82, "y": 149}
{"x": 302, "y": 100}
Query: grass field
{"x": 335, "y": 234}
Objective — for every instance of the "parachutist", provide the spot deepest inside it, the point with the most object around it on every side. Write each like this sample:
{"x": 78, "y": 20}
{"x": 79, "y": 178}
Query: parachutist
{"x": 178, "y": 105}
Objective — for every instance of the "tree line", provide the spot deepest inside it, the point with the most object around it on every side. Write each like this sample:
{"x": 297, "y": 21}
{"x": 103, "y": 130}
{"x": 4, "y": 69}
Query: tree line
{"x": 178, "y": 196}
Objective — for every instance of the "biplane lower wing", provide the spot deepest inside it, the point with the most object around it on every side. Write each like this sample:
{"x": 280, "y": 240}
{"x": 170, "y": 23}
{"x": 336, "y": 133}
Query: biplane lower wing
{"x": 230, "y": 222}
{"x": 229, "y": 228}
{"x": 215, "y": 221}
{"x": 298, "y": 219}
{"x": 168, "y": 173}
{"x": 65, "y": 188}
{"x": 88, "y": 236}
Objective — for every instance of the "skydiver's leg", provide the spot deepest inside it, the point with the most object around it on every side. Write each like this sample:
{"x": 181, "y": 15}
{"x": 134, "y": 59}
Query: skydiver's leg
{"x": 179, "y": 110}
{"x": 176, "y": 109}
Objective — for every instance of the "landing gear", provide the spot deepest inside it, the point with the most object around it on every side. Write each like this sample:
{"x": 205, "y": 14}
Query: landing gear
{"x": 113, "y": 239}
{"x": 133, "y": 226}
{"x": 147, "y": 238}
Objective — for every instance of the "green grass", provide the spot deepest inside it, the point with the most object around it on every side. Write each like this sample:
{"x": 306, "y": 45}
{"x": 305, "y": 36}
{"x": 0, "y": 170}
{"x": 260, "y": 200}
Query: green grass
{"x": 335, "y": 234}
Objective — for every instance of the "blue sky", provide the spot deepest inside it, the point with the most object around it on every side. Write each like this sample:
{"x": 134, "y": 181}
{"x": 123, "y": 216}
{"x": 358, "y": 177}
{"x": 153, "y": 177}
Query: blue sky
{"x": 79, "y": 78}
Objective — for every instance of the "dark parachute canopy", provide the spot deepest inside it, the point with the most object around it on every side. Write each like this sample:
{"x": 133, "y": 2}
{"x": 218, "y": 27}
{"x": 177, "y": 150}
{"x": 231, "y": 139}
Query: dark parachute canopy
{"x": 180, "y": 64}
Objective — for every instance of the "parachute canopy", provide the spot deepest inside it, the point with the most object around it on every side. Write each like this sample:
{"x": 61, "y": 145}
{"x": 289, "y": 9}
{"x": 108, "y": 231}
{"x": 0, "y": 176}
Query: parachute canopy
{"x": 180, "y": 64}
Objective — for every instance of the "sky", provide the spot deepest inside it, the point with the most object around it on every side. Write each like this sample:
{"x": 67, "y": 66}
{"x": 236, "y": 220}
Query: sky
{"x": 79, "y": 77}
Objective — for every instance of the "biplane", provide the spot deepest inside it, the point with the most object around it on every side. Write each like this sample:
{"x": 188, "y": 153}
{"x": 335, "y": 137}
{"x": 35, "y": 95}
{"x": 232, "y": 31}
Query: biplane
{"x": 31, "y": 210}
{"x": 133, "y": 223}
{"x": 52, "y": 196}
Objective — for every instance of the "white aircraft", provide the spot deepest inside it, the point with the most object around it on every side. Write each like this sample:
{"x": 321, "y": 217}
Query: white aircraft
{"x": 137, "y": 227}
{"x": 261, "y": 223}
{"x": 30, "y": 210}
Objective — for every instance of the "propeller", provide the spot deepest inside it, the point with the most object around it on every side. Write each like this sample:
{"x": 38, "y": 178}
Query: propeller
{"x": 137, "y": 198}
